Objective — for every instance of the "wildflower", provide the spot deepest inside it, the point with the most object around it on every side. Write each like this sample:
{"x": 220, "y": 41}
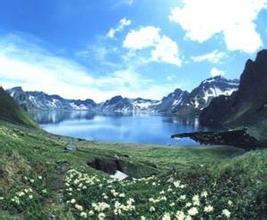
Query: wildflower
{"x": 208, "y": 209}
{"x": 180, "y": 215}
{"x": 193, "y": 211}
{"x": 30, "y": 197}
{"x": 204, "y": 194}
{"x": 122, "y": 195}
{"x": 143, "y": 218}
{"x": 230, "y": 203}
{"x": 101, "y": 216}
{"x": 177, "y": 184}
{"x": 32, "y": 180}
{"x": 78, "y": 207}
{"x": 226, "y": 213}
{"x": 152, "y": 209}
{"x": 183, "y": 197}
{"x": 188, "y": 204}
{"x": 72, "y": 201}
{"x": 172, "y": 204}
{"x": 91, "y": 213}
{"x": 1, "y": 198}
{"x": 83, "y": 214}
{"x": 44, "y": 191}
{"x": 40, "y": 177}
{"x": 166, "y": 216}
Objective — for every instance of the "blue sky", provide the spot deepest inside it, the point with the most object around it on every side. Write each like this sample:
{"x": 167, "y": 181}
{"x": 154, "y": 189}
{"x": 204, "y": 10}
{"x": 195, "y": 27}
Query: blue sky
{"x": 135, "y": 48}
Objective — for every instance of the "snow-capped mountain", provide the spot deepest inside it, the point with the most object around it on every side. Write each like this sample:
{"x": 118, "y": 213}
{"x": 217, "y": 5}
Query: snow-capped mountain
{"x": 173, "y": 101}
{"x": 178, "y": 102}
{"x": 119, "y": 104}
{"x": 42, "y": 101}
{"x": 181, "y": 102}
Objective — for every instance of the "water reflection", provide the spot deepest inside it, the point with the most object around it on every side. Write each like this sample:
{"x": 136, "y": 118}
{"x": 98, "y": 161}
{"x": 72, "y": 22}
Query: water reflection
{"x": 141, "y": 128}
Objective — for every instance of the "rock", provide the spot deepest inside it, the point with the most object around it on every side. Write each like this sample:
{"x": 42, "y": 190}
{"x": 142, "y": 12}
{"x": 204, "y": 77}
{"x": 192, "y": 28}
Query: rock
{"x": 110, "y": 166}
{"x": 70, "y": 147}
{"x": 237, "y": 138}
{"x": 245, "y": 107}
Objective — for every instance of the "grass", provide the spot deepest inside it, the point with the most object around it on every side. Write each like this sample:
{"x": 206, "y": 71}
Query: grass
{"x": 226, "y": 173}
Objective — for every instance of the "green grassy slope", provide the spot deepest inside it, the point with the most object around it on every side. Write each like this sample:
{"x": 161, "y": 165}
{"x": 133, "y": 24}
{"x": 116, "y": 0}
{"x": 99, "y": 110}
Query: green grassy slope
{"x": 11, "y": 112}
{"x": 32, "y": 158}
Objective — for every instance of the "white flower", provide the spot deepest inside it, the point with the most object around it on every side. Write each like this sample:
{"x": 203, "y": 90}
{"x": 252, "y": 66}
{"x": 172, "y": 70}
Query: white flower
{"x": 180, "y": 215}
{"x": 230, "y": 203}
{"x": 188, "y": 204}
{"x": 78, "y": 207}
{"x": 101, "y": 216}
{"x": 166, "y": 216}
{"x": 122, "y": 195}
{"x": 1, "y": 198}
{"x": 30, "y": 196}
{"x": 183, "y": 197}
{"x": 193, "y": 211}
{"x": 226, "y": 213}
{"x": 40, "y": 177}
{"x": 152, "y": 209}
{"x": 83, "y": 214}
{"x": 91, "y": 213}
{"x": 72, "y": 201}
{"x": 204, "y": 194}
{"x": 143, "y": 218}
{"x": 177, "y": 183}
{"x": 208, "y": 209}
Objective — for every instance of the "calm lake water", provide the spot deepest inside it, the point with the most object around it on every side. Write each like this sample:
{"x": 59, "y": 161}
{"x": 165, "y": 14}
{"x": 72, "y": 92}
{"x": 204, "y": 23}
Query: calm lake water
{"x": 140, "y": 129}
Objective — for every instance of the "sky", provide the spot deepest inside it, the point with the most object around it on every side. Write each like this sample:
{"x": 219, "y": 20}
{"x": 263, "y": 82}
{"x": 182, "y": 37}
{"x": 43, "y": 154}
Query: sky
{"x": 135, "y": 48}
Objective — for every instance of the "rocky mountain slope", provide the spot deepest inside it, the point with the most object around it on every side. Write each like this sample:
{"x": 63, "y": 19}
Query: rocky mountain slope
{"x": 119, "y": 104}
{"x": 42, "y": 101}
{"x": 248, "y": 105}
{"x": 178, "y": 102}
{"x": 11, "y": 112}
{"x": 184, "y": 103}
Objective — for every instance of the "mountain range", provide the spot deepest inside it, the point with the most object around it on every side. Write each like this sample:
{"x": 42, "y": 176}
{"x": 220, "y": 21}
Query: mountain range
{"x": 179, "y": 102}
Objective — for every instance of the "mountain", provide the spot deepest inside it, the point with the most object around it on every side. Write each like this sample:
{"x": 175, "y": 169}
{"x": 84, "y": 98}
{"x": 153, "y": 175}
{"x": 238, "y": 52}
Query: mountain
{"x": 119, "y": 104}
{"x": 42, "y": 101}
{"x": 11, "y": 112}
{"x": 183, "y": 103}
{"x": 248, "y": 105}
{"x": 178, "y": 102}
{"x": 173, "y": 102}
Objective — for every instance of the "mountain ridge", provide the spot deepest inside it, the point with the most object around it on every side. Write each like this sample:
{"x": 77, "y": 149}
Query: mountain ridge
{"x": 179, "y": 102}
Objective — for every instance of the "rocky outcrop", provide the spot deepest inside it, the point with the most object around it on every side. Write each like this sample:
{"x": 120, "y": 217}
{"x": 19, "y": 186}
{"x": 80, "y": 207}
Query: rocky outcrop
{"x": 248, "y": 105}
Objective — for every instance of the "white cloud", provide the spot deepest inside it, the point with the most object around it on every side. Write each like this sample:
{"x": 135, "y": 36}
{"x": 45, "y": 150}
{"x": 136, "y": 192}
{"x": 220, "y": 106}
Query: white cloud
{"x": 35, "y": 69}
{"x": 213, "y": 57}
{"x": 235, "y": 19}
{"x": 216, "y": 72}
{"x": 163, "y": 49}
{"x": 124, "y": 22}
{"x": 143, "y": 38}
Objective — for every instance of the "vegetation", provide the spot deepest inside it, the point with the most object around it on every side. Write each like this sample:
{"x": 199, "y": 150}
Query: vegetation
{"x": 40, "y": 180}
{"x": 10, "y": 111}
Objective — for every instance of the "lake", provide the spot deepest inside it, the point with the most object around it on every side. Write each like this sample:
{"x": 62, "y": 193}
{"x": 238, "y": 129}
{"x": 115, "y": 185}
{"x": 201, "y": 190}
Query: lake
{"x": 138, "y": 129}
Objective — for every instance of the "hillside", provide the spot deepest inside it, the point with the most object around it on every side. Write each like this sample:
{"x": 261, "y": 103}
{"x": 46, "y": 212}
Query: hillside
{"x": 245, "y": 107}
{"x": 11, "y": 112}
{"x": 41, "y": 180}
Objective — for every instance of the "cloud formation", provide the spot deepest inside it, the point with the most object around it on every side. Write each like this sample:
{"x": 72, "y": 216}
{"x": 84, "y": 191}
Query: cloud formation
{"x": 201, "y": 20}
{"x": 212, "y": 57}
{"x": 163, "y": 49}
{"x": 124, "y": 22}
{"x": 35, "y": 69}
